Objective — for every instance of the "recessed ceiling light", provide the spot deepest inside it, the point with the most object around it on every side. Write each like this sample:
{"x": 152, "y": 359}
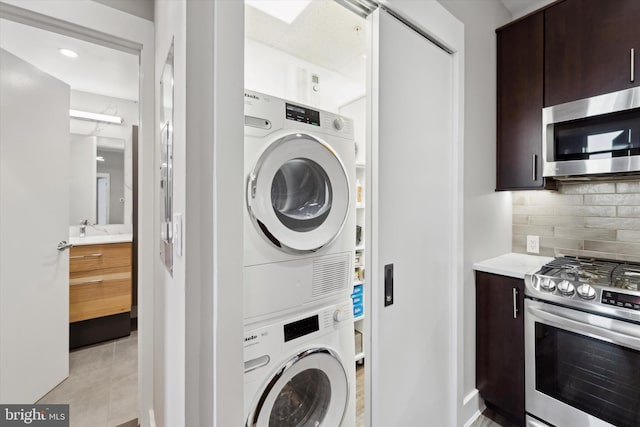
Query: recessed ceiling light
{"x": 68, "y": 53}
{"x": 284, "y": 10}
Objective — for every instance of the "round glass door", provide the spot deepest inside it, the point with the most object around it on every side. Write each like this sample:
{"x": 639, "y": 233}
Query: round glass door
{"x": 310, "y": 390}
{"x": 298, "y": 193}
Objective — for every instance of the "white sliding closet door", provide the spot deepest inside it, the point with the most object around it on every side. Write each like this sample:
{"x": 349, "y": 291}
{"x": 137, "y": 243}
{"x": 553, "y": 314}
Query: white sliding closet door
{"x": 411, "y": 227}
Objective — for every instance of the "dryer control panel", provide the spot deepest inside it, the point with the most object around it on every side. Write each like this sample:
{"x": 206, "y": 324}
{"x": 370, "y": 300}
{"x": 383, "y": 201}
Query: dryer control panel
{"x": 302, "y": 114}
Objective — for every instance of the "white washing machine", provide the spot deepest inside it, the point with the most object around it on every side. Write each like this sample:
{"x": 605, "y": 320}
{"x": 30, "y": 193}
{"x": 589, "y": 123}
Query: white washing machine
{"x": 299, "y": 221}
{"x": 300, "y": 372}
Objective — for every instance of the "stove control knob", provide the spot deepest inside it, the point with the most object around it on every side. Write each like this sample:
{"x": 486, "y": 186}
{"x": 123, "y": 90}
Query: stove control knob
{"x": 586, "y": 291}
{"x": 547, "y": 284}
{"x": 566, "y": 288}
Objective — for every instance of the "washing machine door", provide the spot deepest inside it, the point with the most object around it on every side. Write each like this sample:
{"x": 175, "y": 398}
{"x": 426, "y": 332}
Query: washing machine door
{"x": 298, "y": 193}
{"x": 310, "y": 390}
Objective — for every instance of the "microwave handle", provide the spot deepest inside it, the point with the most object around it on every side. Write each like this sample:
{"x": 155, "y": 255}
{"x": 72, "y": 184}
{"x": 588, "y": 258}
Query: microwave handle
{"x": 534, "y": 163}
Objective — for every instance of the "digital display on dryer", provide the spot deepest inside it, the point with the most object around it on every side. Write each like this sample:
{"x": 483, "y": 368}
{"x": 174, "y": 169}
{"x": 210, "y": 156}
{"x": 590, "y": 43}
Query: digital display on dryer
{"x": 302, "y": 114}
{"x": 301, "y": 328}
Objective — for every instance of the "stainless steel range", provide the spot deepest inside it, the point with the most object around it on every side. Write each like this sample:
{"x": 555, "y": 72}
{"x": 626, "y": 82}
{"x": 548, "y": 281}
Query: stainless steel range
{"x": 582, "y": 344}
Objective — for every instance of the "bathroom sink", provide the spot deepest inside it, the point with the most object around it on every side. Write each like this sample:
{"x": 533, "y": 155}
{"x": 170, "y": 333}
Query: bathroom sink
{"x": 97, "y": 240}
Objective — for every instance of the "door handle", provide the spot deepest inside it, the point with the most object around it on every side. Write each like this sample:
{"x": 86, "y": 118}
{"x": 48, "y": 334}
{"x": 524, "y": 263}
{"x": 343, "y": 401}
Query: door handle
{"x": 515, "y": 303}
{"x": 388, "y": 285}
{"x": 63, "y": 245}
{"x": 534, "y": 161}
{"x": 633, "y": 60}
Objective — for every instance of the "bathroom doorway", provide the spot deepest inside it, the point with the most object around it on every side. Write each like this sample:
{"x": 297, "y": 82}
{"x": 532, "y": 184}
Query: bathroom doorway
{"x": 103, "y": 120}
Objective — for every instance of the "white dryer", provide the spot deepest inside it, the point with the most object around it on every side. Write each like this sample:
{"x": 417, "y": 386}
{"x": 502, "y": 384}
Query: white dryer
{"x": 300, "y": 372}
{"x": 299, "y": 221}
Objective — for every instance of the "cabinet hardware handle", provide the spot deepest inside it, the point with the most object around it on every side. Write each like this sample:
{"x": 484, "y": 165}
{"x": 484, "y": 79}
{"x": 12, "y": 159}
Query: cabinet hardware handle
{"x": 534, "y": 161}
{"x": 85, "y": 256}
{"x": 89, "y": 282}
{"x": 515, "y": 303}
{"x": 633, "y": 55}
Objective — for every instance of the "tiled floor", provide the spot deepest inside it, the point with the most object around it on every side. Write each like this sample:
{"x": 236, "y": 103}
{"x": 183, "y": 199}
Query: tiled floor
{"x": 102, "y": 388}
{"x": 483, "y": 421}
{"x": 491, "y": 419}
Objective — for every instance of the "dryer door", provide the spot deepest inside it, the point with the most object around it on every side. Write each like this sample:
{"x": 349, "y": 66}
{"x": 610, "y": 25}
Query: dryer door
{"x": 298, "y": 193}
{"x": 310, "y": 390}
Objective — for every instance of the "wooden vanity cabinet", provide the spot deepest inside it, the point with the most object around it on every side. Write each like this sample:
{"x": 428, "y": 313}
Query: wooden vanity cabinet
{"x": 99, "y": 292}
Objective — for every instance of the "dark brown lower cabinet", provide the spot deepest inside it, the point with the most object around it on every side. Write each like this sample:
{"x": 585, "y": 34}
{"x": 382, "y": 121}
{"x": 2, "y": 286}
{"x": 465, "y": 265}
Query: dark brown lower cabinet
{"x": 500, "y": 344}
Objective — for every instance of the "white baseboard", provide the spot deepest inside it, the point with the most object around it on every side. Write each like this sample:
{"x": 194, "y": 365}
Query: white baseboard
{"x": 472, "y": 407}
{"x": 152, "y": 418}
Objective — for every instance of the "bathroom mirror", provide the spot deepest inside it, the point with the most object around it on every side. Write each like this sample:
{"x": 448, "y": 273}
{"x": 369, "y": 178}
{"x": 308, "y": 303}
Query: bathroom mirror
{"x": 100, "y": 179}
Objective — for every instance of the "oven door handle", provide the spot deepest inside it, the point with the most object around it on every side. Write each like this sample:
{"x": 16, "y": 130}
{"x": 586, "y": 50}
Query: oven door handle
{"x": 599, "y": 327}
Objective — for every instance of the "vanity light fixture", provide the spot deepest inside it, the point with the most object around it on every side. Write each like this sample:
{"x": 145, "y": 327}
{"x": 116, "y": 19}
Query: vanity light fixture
{"x": 86, "y": 115}
{"x": 68, "y": 53}
{"x": 284, "y": 10}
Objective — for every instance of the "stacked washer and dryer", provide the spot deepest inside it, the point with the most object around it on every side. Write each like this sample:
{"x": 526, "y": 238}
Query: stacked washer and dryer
{"x": 299, "y": 239}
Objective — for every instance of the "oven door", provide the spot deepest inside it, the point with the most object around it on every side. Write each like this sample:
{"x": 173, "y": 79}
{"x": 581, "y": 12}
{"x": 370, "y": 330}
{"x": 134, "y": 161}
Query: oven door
{"x": 581, "y": 369}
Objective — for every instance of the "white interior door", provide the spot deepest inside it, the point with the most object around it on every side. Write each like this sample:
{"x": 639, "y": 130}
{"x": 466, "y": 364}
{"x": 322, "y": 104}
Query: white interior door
{"x": 34, "y": 218}
{"x": 411, "y": 194}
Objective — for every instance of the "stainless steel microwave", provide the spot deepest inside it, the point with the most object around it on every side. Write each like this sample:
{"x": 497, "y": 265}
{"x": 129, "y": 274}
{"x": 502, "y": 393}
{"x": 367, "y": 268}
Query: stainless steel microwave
{"x": 592, "y": 136}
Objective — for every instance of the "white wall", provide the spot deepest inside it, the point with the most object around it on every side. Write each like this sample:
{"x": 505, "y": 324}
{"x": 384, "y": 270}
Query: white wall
{"x": 82, "y": 165}
{"x": 487, "y": 214}
{"x": 169, "y": 354}
{"x": 215, "y": 185}
{"x": 277, "y": 73}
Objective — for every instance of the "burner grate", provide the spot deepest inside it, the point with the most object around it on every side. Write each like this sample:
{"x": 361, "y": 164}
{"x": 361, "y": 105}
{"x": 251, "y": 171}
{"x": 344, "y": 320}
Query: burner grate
{"x": 590, "y": 271}
{"x": 626, "y": 276}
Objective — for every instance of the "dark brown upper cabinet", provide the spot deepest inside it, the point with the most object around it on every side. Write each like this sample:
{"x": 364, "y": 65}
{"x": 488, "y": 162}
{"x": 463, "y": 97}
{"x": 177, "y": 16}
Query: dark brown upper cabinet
{"x": 587, "y": 48}
{"x": 519, "y": 103}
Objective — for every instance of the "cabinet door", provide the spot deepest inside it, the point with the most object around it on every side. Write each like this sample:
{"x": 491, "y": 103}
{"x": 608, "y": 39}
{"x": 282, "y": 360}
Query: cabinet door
{"x": 520, "y": 90}
{"x": 588, "y": 48}
{"x": 500, "y": 343}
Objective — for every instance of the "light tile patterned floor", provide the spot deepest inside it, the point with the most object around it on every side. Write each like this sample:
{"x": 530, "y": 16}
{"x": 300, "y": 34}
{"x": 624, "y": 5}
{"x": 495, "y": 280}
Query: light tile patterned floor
{"x": 102, "y": 388}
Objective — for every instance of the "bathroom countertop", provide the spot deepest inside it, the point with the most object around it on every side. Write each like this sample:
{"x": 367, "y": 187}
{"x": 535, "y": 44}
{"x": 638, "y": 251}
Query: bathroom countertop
{"x": 512, "y": 264}
{"x": 98, "y": 240}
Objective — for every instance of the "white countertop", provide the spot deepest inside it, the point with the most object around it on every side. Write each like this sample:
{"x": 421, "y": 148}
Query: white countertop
{"x": 512, "y": 264}
{"x": 98, "y": 240}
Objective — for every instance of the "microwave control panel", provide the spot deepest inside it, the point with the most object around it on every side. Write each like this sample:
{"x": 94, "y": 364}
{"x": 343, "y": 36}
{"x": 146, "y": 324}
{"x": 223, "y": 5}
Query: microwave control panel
{"x": 621, "y": 300}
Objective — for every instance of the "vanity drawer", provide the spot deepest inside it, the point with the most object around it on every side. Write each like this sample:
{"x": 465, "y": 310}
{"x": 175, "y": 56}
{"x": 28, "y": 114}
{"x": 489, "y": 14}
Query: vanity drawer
{"x": 99, "y": 257}
{"x": 98, "y": 296}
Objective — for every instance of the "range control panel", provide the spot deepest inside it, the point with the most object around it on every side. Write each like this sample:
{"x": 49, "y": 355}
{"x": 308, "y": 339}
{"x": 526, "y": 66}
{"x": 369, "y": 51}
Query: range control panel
{"x": 621, "y": 300}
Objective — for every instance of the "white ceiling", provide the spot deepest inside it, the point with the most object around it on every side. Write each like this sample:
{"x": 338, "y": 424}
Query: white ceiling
{"x": 323, "y": 34}
{"x": 97, "y": 69}
{"x": 519, "y": 8}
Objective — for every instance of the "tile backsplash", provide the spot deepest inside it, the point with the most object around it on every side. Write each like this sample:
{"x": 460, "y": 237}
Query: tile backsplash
{"x": 592, "y": 219}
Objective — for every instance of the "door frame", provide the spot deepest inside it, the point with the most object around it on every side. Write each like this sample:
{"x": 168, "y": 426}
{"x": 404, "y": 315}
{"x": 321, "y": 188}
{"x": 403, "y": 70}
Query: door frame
{"x": 103, "y": 25}
{"x": 107, "y": 177}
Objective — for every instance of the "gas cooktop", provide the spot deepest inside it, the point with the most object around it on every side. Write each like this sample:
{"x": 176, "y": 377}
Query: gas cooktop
{"x": 609, "y": 287}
